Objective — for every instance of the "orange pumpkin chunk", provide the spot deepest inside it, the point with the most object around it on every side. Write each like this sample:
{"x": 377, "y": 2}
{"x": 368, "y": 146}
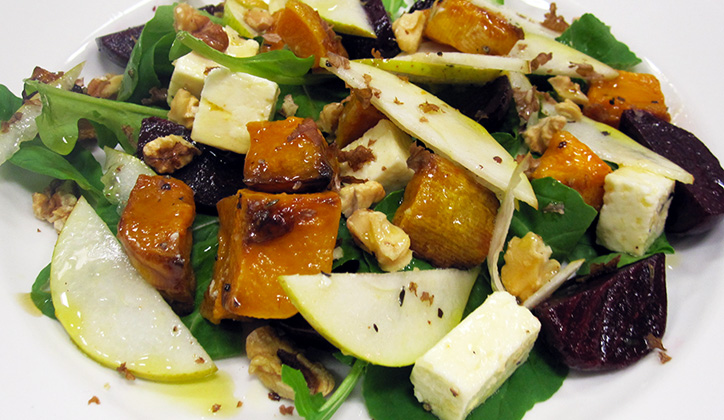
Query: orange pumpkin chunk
{"x": 358, "y": 116}
{"x": 607, "y": 99}
{"x": 261, "y": 237}
{"x": 301, "y": 28}
{"x": 288, "y": 156}
{"x": 448, "y": 215}
{"x": 471, "y": 29}
{"x": 574, "y": 164}
{"x": 155, "y": 231}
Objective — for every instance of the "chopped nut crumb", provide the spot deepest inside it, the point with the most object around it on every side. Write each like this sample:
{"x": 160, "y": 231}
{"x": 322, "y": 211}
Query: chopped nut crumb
{"x": 286, "y": 410}
{"x": 538, "y": 136}
{"x": 289, "y": 108}
{"x": 408, "y": 30}
{"x": 258, "y": 19}
{"x": 360, "y": 196}
{"x": 123, "y": 370}
{"x": 569, "y": 110}
{"x": 553, "y": 21}
{"x": 329, "y": 117}
{"x": 94, "y": 400}
{"x": 215, "y": 408}
{"x": 377, "y": 235}
{"x": 567, "y": 89}
{"x": 540, "y": 60}
{"x": 187, "y": 18}
{"x": 106, "y": 87}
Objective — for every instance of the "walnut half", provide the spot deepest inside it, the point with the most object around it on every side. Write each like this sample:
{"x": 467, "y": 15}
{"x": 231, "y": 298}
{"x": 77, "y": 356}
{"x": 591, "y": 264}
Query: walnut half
{"x": 267, "y": 351}
{"x": 169, "y": 154}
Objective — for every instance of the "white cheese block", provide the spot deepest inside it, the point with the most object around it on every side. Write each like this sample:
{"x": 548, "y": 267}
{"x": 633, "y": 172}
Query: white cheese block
{"x": 391, "y": 148}
{"x": 474, "y": 359}
{"x": 229, "y": 101}
{"x": 191, "y": 69}
{"x": 635, "y": 205}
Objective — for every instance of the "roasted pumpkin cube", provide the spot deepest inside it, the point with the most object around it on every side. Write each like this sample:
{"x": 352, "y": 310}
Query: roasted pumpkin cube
{"x": 306, "y": 34}
{"x": 607, "y": 99}
{"x": 358, "y": 116}
{"x": 471, "y": 29}
{"x": 288, "y": 156}
{"x": 575, "y": 165}
{"x": 448, "y": 215}
{"x": 155, "y": 231}
{"x": 261, "y": 237}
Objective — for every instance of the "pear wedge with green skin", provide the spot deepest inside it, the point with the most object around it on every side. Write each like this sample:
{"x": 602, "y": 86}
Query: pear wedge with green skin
{"x": 441, "y": 127}
{"x": 234, "y": 12}
{"x": 614, "y": 146}
{"x": 564, "y": 60}
{"x": 387, "y": 319}
{"x": 345, "y": 16}
{"x": 449, "y": 67}
{"x": 111, "y": 313}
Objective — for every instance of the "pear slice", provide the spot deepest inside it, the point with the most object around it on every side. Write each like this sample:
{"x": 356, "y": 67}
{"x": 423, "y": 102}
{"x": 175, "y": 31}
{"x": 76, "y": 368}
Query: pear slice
{"x": 564, "y": 61}
{"x": 346, "y": 16}
{"x": 440, "y": 126}
{"x": 387, "y": 319}
{"x": 111, "y": 313}
{"x": 234, "y": 12}
{"x": 449, "y": 67}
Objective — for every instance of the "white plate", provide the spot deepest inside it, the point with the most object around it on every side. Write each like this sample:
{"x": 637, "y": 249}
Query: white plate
{"x": 45, "y": 375}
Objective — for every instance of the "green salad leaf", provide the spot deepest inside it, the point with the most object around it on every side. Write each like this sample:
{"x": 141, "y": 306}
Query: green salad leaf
{"x": 280, "y": 66}
{"x": 9, "y": 103}
{"x": 58, "y": 123}
{"x": 591, "y": 36}
{"x": 561, "y": 219}
{"x": 40, "y": 293}
{"x": 149, "y": 65}
{"x": 316, "y": 407}
{"x": 225, "y": 339}
{"x": 389, "y": 395}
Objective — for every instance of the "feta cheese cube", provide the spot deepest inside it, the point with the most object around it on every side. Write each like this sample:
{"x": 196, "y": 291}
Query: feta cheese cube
{"x": 635, "y": 205}
{"x": 391, "y": 148}
{"x": 191, "y": 69}
{"x": 230, "y": 100}
{"x": 474, "y": 359}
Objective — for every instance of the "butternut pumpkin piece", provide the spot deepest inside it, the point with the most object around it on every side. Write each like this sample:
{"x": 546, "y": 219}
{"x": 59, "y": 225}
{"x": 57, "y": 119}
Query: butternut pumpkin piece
{"x": 155, "y": 231}
{"x": 607, "y": 99}
{"x": 261, "y": 237}
{"x": 358, "y": 116}
{"x": 301, "y": 28}
{"x": 574, "y": 164}
{"x": 471, "y": 29}
{"x": 448, "y": 215}
{"x": 288, "y": 156}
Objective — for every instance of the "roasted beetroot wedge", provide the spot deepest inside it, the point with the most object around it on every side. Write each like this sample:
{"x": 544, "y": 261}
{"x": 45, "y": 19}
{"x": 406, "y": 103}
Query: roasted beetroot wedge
{"x": 118, "y": 45}
{"x": 604, "y": 322}
{"x": 696, "y": 207}
{"x": 212, "y": 175}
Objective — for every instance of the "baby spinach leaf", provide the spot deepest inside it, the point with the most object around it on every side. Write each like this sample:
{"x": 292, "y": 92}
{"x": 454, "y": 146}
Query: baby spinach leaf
{"x": 149, "y": 65}
{"x": 561, "y": 219}
{"x": 591, "y": 36}
{"x": 58, "y": 123}
{"x": 660, "y": 245}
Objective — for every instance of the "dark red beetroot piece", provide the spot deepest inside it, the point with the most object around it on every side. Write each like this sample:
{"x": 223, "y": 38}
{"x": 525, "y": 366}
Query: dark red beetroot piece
{"x": 385, "y": 43}
{"x": 118, "y": 45}
{"x": 213, "y": 175}
{"x": 487, "y": 104}
{"x": 695, "y": 207}
{"x": 603, "y": 323}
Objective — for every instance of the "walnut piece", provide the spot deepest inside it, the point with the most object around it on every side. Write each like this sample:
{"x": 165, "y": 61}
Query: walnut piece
{"x": 360, "y": 196}
{"x": 538, "y": 136}
{"x": 267, "y": 351}
{"x": 329, "y": 117}
{"x": 289, "y": 108}
{"x": 408, "y": 30}
{"x": 569, "y": 110}
{"x": 187, "y": 18}
{"x": 568, "y": 89}
{"x": 183, "y": 108}
{"x": 105, "y": 87}
{"x": 528, "y": 266}
{"x": 258, "y": 19}
{"x": 55, "y": 203}
{"x": 377, "y": 235}
{"x": 169, "y": 154}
